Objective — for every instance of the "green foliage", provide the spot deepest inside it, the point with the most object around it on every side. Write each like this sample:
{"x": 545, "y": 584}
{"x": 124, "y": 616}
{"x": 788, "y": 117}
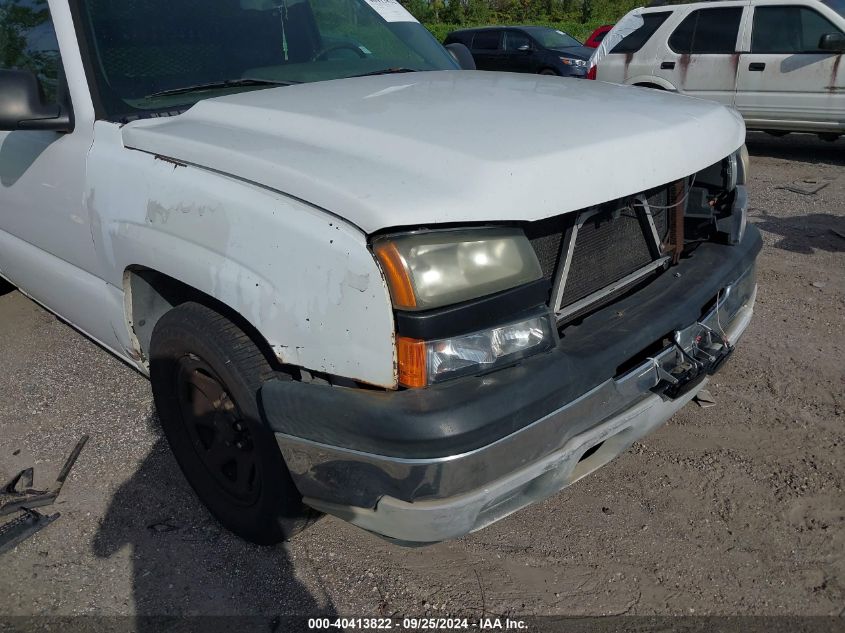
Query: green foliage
{"x": 573, "y": 27}
{"x": 15, "y": 23}
{"x": 579, "y": 18}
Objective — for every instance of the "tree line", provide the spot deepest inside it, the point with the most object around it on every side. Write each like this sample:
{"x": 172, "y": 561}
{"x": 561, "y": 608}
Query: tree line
{"x": 580, "y": 16}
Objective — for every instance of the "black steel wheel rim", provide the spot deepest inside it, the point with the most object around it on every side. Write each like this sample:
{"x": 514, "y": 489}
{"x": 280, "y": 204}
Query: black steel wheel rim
{"x": 219, "y": 433}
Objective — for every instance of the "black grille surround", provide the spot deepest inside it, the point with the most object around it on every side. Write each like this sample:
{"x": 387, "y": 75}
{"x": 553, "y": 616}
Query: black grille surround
{"x": 596, "y": 255}
{"x": 546, "y": 237}
{"x": 547, "y": 249}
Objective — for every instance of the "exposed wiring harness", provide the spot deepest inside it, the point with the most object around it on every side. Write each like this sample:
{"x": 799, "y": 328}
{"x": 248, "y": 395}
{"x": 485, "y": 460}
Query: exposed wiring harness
{"x": 648, "y": 205}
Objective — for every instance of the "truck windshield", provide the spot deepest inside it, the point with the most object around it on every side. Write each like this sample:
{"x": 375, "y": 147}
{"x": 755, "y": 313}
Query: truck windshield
{"x": 149, "y": 56}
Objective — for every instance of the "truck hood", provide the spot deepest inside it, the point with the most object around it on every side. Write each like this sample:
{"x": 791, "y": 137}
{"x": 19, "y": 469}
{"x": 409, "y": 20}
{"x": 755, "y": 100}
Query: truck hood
{"x": 453, "y": 146}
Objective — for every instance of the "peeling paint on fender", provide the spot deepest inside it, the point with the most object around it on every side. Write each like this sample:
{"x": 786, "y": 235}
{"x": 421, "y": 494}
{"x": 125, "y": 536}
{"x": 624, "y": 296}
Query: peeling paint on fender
{"x": 358, "y": 282}
{"x": 306, "y": 284}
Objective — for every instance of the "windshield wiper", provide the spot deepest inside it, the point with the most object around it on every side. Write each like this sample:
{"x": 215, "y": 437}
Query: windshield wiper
{"x": 227, "y": 83}
{"x": 387, "y": 71}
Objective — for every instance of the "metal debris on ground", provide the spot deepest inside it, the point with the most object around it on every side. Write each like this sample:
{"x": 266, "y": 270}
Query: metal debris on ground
{"x": 22, "y": 527}
{"x": 807, "y": 187}
{"x": 705, "y": 399}
{"x": 18, "y": 496}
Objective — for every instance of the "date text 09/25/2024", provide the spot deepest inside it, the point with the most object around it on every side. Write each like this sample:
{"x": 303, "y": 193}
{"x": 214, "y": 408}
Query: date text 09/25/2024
{"x": 418, "y": 624}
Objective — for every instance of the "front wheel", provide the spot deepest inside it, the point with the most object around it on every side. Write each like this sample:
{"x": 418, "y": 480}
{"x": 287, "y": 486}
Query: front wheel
{"x": 206, "y": 374}
{"x": 547, "y": 71}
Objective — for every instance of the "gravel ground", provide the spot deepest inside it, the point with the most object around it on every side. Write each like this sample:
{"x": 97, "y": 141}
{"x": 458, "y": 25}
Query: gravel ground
{"x": 735, "y": 509}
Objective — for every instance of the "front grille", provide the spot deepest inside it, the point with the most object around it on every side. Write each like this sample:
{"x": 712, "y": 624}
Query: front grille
{"x": 607, "y": 249}
{"x": 598, "y": 247}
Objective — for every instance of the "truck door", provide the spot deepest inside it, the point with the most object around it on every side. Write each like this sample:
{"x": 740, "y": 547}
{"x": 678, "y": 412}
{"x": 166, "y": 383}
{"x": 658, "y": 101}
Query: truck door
{"x": 46, "y": 247}
{"x": 786, "y": 81}
{"x": 700, "y": 56}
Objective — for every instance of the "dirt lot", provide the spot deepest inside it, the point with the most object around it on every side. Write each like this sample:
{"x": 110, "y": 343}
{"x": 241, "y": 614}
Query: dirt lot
{"x": 735, "y": 509}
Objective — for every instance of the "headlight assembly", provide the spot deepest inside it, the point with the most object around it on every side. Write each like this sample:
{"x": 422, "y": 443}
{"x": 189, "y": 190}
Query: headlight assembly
{"x": 744, "y": 166}
{"x": 427, "y": 270}
{"x": 570, "y": 61}
{"x": 431, "y": 269}
{"x": 423, "y": 363}
{"x": 727, "y": 173}
{"x": 731, "y": 171}
{"x": 733, "y": 226}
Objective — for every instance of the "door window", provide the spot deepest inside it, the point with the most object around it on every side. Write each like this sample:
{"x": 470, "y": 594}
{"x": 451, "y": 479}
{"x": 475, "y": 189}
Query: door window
{"x": 486, "y": 41}
{"x": 707, "y": 31}
{"x": 633, "y": 42}
{"x": 514, "y": 40}
{"x": 28, "y": 42}
{"x": 789, "y": 30}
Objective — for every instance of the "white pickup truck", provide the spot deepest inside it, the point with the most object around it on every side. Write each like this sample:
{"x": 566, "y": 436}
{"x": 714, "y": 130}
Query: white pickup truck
{"x": 363, "y": 281}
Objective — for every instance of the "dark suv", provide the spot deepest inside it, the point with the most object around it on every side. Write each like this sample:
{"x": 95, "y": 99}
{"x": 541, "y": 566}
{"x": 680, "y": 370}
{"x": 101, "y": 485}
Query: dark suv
{"x": 524, "y": 49}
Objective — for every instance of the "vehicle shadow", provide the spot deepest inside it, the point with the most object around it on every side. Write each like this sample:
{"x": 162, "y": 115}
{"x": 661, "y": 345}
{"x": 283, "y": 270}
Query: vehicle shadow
{"x": 806, "y": 233}
{"x": 185, "y": 565}
{"x": 797, "y": 147}
{"x": 19, "y": 151}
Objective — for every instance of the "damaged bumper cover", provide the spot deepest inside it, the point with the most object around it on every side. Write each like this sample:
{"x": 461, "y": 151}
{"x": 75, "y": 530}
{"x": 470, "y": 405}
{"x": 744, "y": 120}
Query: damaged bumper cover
{"x": 421, "y": 466}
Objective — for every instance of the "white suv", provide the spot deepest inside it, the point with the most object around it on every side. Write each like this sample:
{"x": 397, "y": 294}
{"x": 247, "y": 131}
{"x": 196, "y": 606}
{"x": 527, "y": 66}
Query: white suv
{"x": 777, "y": 61}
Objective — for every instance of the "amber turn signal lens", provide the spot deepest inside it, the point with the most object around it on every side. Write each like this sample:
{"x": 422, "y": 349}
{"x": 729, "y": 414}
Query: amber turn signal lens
{"x": 411, "y": 355}
{"x": 396, "y": 274}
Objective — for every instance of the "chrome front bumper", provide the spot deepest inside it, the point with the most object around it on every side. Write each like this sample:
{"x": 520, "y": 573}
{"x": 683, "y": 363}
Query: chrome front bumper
{"x": 466, "y": 492}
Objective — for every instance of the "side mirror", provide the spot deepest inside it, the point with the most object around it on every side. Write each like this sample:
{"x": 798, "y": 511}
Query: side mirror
{"x": 525, "y": 48}
{"x": 833, "y": 42}
{"x": 462, "y": 55}
{"x": 22, "y": 105}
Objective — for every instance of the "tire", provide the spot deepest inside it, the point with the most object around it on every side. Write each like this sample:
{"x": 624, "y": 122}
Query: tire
{"x": 548, "y": 71}
{"x": 206, "y": 374}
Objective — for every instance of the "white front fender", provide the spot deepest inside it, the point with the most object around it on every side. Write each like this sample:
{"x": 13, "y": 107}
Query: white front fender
{"x": 302, "y": 277}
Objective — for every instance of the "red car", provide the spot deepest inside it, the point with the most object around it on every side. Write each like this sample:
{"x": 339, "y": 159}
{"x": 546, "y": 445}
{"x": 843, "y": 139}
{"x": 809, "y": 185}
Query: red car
{"x": 598, "y": 35}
